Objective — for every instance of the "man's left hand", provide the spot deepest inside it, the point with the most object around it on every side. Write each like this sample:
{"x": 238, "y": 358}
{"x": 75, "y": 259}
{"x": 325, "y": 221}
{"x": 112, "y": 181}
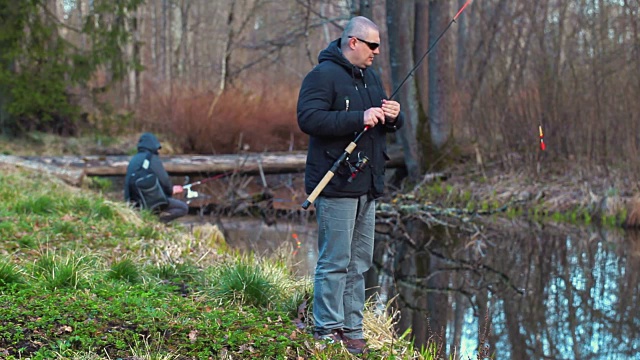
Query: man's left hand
{"x": 177, "y": 189}
{"x": 391, "y": 109}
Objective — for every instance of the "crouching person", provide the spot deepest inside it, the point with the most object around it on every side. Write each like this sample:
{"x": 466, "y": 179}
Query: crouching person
{"x": 148, "y": 185}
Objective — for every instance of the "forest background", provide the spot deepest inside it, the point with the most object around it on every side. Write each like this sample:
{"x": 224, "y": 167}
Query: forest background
{"x": 210, "y": 75}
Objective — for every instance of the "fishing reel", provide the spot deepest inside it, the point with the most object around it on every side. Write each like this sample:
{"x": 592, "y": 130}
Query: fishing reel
{"x": 190, "y": 194}
{"x": 363, "y": 160}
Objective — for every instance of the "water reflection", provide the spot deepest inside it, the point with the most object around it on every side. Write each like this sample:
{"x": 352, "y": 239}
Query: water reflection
{"x": 537, "y": 293}
{"x": 254, "y": 235}
{"x": 527, "y": 292}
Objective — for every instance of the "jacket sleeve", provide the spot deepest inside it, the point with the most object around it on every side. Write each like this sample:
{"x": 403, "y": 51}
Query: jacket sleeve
{"x": 315, "y": 114}
{"x": 163, "y": 176}
{"x": 391, "y": 127}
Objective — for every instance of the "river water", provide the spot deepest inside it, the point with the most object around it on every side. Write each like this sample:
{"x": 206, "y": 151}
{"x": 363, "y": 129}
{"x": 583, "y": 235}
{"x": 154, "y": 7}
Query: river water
{"x": 518, "y": 291}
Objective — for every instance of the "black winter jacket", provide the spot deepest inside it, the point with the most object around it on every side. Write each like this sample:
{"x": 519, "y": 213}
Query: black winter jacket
{"x": 148, "y": 143}
{"x": 331, "y": 105}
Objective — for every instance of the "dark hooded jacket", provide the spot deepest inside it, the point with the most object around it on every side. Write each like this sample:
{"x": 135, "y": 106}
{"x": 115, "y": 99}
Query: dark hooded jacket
{"x": 148, "y": 144}
{"x": 331, "y": 105}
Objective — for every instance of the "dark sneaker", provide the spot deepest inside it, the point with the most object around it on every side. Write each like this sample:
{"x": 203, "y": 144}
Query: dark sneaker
{"x": 355, "y": 346}
{"x": 335, "y": 336}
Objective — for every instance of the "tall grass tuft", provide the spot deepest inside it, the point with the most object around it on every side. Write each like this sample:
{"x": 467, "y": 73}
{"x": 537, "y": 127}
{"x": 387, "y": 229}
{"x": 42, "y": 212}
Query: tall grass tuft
{"x": 176, "y": 272}
{"x": 59, "y": 273}
{"x": 245, "y": 283}
{"x": 103, "y": 210}
{"x": 249, "y": 280}
{"x": 9, "y": 274}
{"x": 41, "y": 205}
{"x": 125, "y": 270}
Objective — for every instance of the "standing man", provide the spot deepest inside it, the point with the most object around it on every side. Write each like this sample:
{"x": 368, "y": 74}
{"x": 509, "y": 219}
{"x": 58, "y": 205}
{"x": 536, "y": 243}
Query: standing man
{"x": 157, "y": 197}
{"x": 338, "y": 98}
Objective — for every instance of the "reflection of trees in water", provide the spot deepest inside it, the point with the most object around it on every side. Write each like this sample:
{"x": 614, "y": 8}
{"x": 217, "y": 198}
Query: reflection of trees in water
{"x": 548, "y": 291}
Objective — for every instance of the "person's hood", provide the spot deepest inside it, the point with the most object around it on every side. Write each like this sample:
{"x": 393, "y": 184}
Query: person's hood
{"x": 334, "y": 53}
{"x": 149, "y": 142}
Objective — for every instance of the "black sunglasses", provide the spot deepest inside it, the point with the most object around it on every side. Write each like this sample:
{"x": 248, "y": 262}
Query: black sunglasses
{"x": 371, "y": 45}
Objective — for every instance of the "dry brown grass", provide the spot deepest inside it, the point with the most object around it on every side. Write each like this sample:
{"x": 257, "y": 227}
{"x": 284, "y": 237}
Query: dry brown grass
{"x": 256, "y": 120}
{"x": 379, "y": 326}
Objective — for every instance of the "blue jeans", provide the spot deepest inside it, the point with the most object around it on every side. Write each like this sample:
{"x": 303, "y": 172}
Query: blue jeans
{"x": 175, "y": 209}
{"x": 346, "y": 228}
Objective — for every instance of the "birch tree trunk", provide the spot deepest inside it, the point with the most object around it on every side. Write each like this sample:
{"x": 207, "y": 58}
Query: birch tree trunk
{"x": 130, "y": 26}
{"x": 137, "y": 50}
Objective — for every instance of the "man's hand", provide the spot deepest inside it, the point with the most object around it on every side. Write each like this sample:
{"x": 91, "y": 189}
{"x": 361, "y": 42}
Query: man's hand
{"x": 373, "y": 116}
{"x": 177, "y": 189}
{"x": 391, "y": 109}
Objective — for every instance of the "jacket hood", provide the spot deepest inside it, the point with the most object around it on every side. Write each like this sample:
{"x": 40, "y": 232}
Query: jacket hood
{"x": 149, "y": 142}
{"x": 334, "y": 54}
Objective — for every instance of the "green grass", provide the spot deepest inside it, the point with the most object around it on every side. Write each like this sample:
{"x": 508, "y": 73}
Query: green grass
{"x": 82, "y": 277}
{"x": 10, "y": 275}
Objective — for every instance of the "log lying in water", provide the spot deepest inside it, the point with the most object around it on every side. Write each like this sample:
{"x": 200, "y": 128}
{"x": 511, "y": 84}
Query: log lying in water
{"x": 252, "y": 163}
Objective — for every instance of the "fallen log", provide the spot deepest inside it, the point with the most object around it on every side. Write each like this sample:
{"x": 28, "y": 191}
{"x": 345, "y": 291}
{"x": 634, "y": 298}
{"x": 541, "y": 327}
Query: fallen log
{"x": 252, "y": 163}
{"x": 72, "y": 176}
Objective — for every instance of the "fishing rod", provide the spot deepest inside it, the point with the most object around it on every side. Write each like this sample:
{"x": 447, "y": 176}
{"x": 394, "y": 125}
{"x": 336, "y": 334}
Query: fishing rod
{"x": 352, "y": 145}
{"x": 194, "y": 194}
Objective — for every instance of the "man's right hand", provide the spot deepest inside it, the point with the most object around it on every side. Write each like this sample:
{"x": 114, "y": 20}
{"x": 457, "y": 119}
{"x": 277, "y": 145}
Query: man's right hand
{"x": 373, "y": 116}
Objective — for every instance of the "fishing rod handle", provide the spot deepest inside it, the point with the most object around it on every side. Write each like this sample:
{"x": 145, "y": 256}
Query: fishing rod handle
{"x": 351, "y": 147}
{"x": 321, "y": 185}
{"x": 329, "y": 175}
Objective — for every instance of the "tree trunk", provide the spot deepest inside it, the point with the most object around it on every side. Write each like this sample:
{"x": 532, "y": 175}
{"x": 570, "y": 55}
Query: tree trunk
{"x": 226, "y": 54}
{"x": 130, "y": 26}
{"x": 183, "y": 36}
{"x": 401, "y": 55}
{"x": 156, "y": 36}
{"x": 440, "y": 79}
{"x": 5, "y": 118}
{"x": 137, "y": 50}
{"x": 164, "y": 40}
{"x": 461, "y": 53}
{"x": 366, "y": 9}
{"x": 420, "y": 46}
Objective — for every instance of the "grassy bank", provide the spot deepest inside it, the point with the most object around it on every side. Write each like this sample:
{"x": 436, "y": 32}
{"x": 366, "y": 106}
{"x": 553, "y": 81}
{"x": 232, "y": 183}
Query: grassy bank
{"x": 82, "y": 277}
{"x": 562, "y": 193}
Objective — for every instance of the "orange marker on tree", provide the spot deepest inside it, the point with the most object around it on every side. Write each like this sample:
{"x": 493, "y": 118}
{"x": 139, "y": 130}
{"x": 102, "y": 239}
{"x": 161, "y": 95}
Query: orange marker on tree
{"x": 542, "y": 145}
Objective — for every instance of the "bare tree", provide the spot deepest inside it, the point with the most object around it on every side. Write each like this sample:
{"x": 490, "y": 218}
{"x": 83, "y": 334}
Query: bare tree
{"x": 401, "y": 54}
{"x": 440, "y": 75}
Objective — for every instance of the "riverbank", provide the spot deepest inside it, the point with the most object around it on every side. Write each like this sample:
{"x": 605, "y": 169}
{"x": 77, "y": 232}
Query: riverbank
{"x": 561, "y": 191}
{"x": 575, "y": 191}
{"x": 82, "y": 276}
